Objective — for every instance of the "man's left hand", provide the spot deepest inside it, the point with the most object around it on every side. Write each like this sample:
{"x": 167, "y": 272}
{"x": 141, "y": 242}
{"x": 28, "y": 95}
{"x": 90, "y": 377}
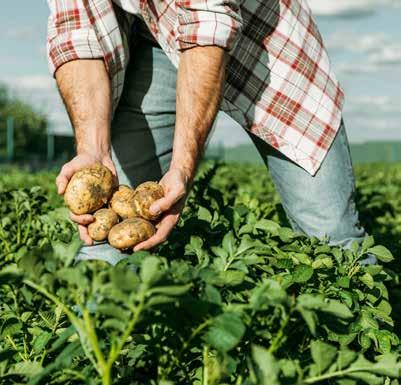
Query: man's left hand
{"x": 175, "y": 185}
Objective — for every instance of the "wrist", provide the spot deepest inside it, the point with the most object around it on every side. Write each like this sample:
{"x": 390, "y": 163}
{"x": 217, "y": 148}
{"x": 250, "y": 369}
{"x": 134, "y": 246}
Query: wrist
{"x": 185, "y": 172}
{"x": 96, "y": 151}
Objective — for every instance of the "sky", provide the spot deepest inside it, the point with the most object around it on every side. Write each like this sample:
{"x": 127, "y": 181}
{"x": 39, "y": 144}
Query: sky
{"x": 363, "y": 38}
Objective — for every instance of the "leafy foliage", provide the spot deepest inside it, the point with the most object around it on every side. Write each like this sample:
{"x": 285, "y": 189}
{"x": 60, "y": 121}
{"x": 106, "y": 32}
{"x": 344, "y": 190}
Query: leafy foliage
{"x": 235, "y": 297}
{"x": 30, "y": 125}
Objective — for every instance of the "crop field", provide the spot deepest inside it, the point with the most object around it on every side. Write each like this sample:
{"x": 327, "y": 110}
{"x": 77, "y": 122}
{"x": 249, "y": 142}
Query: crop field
{"x": 235, "y": 297}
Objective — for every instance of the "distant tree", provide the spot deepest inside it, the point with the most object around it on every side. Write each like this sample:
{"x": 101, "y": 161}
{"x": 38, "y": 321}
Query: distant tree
{"x": 29, "y": 125}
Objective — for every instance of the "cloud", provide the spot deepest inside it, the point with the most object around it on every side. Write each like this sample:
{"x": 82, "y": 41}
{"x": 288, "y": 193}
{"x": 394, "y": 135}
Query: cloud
{"x": 355, "y": 42}
{"x": 342, "y": 8}
{"x": 369, "y": 52}
{"x": 371, "y": 104}
{"x": 350, "y": 8}
{"x": 388, "y": 54}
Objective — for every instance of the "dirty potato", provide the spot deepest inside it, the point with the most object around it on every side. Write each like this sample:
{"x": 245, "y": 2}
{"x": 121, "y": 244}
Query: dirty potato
{"x": 145, "y": 195}
{"x": 130, "y": 232}
{"x": 89, "y": 189}
{"x": 122, "y": 202}
{"x": 105, "y": 219}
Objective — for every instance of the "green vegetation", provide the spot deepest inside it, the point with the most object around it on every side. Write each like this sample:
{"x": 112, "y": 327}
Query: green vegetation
{"x": 235, "y": 297}
{"x": 374, "y": 151}
{"x": 29, "y": 126}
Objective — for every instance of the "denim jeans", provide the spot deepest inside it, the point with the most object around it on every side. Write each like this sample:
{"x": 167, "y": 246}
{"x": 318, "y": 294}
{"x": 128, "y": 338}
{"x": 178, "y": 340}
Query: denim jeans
{"x": 142, "y": 138}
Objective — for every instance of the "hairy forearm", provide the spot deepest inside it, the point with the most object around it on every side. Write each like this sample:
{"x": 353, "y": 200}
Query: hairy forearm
{"x": 85, "y": 88}
{"x": 200, "y": 82}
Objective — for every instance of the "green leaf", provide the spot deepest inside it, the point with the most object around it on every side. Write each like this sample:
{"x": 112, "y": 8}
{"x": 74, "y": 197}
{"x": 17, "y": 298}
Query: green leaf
{"x": 338, "y": 309}
{"x": 268, "y": 367}
{"x": 368, "y": 242}
{"x": 27, "y": 368}
{"x": 229, "y": 243}
{"x": 267, "y": 225}
{"x": 230, "y": 278}
{"x": 382, "y": 253}
{"x": 212, "y": 295}
{"x": 310, "y": 318}
{"x": 204, "y": 214}
{"x": 225, "y": 331}
{"x": 368, "y": 280}
{"x": 345, "y": 358}
{"x": 323, "y": 354}
{"x": 173, "y": 290}
{"x": 302, "y": 273}
{"x": 40, "y": 341}
{"x": 150, "y": 270}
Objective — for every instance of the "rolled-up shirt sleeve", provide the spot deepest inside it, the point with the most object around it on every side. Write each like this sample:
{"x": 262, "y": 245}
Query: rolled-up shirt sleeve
{"x": 71, "y": 35}
{"x": 208, "y": 22}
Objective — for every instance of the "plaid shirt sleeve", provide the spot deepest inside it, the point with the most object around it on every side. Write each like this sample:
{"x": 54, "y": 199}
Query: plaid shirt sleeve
{"x": 208, "y": 22}
{"x": 71, "y": 34}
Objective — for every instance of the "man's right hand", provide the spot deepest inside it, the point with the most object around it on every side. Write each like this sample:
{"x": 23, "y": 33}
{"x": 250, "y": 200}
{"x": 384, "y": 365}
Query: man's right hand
{"x": 67, "y": 171}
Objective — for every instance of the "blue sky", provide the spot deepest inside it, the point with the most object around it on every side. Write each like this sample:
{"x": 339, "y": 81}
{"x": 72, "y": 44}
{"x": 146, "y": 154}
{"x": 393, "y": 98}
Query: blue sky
{"x": 363, "y": 38}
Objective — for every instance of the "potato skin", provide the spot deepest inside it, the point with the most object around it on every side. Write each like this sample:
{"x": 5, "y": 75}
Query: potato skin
{"x": 122, "y": 202}
{"x": 105, "y": 219}
{"x": 89, "y": 189}
{"x": 130, "y": 232}
{"x": 145, "y": 195}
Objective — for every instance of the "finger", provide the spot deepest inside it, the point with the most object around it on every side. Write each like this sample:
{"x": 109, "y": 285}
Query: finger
{"x": 66, "y": 172}
{"x": 83, "y": 234}
{"x": 165, "y": 227}
{"x": 61, "y": 183}
{"x": 167, "y": 202}
{"x": 110, "y": 165}
{"x": 85, "y": 219}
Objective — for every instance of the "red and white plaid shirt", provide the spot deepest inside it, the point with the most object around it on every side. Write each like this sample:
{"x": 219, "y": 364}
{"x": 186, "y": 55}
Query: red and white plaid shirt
{"x": 280, "y": 84}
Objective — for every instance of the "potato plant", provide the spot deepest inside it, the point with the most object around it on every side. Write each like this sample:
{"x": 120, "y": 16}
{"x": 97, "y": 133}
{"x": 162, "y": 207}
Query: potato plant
{"x": 235, "y": 297}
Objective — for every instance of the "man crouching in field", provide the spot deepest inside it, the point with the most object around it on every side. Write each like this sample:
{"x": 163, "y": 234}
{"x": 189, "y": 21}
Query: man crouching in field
{"x": 143, "y": 81}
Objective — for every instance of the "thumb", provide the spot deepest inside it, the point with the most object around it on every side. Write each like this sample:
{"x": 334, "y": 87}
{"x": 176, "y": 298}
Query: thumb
{"x": 110, "y": 165}
{"x": 165, "y": 203}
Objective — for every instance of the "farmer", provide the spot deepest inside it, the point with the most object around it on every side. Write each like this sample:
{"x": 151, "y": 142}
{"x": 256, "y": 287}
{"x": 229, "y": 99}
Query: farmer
{"x": 142, "y": 82}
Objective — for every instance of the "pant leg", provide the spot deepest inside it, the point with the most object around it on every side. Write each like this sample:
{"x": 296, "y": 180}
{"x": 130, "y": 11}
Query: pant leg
{"x": 322, "y": 205}
{"x": 143, "y": 127}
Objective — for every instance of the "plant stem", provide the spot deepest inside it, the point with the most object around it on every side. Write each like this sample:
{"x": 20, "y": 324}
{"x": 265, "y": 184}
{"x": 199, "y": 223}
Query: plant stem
{"x": 75, "y": 321}
{"x": 27, "y": 228}
{"x": 94, "y": 341}
{"x": 116, "y": 349}
{"x": 15, "y": 347}
{"x": 280, "y": 334}
{"x": 18, "y": 221}
{"x": 205, "y": 377}
{"x": 176, "y": 359}
{"x": 339, "y": 373}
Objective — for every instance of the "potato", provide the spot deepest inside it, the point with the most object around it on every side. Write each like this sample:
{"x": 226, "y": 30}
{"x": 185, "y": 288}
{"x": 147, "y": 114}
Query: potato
{"x": 89, "y": 189}
{"x": 122, "y": 202}
{"x": 130, "y": 232}
{"x": 145, "y": 194}
{"x": 105, "y": 219}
